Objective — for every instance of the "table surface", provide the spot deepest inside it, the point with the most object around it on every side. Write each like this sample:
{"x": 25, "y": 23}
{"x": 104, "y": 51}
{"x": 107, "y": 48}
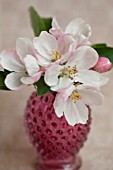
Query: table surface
{"x": 15, "y": 149}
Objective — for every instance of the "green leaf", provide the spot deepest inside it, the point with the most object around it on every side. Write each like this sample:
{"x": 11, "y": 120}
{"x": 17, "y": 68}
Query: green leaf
{"x": 103, "y": 45}
{"x": 39, "y": 24}
{"x": 2, "y": 78}
{"x": 47, "y": 22}
{"x": 42, "y": 87}
{"x": 104, "y": 51}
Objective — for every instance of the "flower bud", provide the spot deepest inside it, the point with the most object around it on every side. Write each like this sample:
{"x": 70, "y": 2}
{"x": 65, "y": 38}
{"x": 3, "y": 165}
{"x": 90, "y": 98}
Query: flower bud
{"x": 103, "y": 65}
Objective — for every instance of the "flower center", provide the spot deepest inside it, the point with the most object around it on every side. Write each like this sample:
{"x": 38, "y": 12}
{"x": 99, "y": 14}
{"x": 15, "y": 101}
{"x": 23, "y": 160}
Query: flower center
{"x": 56, "y": 55}
{"x": 75, "y": 96}
{"x": 68, "y": 72}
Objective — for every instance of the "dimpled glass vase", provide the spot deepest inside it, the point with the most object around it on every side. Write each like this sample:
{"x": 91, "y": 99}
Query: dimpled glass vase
{"x": 56, "y": 142}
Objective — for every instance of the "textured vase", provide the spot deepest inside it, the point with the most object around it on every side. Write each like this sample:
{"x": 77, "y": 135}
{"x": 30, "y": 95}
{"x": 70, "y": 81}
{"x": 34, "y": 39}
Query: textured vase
{"x": 56, "y": 142}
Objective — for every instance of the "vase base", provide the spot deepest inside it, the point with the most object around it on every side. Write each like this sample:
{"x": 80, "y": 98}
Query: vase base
{"x": 73, "y": 165}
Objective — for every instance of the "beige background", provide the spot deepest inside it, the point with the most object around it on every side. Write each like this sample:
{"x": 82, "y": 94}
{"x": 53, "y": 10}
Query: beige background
{"x": 15, "y": 151}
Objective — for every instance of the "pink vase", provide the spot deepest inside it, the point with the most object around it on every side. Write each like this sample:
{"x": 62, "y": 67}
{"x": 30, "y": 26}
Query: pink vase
{"x": 57, "y": 143}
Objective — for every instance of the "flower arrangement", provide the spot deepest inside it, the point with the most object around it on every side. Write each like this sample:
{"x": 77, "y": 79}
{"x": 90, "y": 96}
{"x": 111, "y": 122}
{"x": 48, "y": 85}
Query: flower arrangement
{"x": 59, "y": 61}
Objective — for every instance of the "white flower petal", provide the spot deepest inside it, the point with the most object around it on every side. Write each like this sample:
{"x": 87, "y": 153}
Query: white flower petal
{"x": 81, "y": 40}
{"x": 91, "y": 78}
{"x": 45, "y": 43}
{"x": 83, "y": 111}
{"x": 31, "y": 65}
{"x": 51, "y": 75}
{"x": 13, "y": 81}
{"x": 42, "y": 61}
{"x": 77, "y": 26}
{"x": 86, "y": 30}
{"x": 75, "y": 112}
{"x": 74, "y": 26}
{"x": 58, "y": 105}
{"x": 24, "y": 47}
{"x": 11, "y": 61}
{"x": 63, "y": 83}
{"x": 92, "y": 97}
{"x": 71, "y": 112}
{"x": 85, "y": 57}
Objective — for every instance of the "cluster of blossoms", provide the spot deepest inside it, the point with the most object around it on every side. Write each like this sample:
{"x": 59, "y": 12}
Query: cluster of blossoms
{"x": 65, "y": 59}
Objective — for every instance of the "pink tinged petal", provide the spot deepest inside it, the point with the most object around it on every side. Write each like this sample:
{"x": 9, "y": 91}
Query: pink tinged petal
{"x": 13, "y": 81}
{"x": 11, "y": 61}
{"x": 63, "y": 84}
{"x": 92, "y": 97}
{"x": 103, "y": 65}
{"x": 91, "y": 78}
{"x": 37, "y": 76}
{"x": 64, "y": 43}
{"x": 51, "y": 75}
{"x": 70, "y": 52}
{"x": 31, "y": 80}
{"x": 65, "y": 93}
{"x": 85, "y": 57}
{"x": 58, "y": 105}
{"x": 27, "y": 80}
{"x": 44, "y": 44}
{"x": 56, "y": 32}
{"x": 55, "y": 23}
{"x": 24, "y": 46}
{"x": 31, "y": 65}
{"x": 78, "y": 26}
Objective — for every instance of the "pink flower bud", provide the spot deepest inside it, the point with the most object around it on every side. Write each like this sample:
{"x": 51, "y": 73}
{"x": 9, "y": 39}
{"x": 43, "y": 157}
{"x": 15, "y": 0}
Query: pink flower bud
{"x": 103, "y": 65}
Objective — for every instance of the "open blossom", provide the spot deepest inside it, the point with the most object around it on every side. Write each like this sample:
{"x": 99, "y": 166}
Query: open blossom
{"x": 77, "y": 69}
{"x": 51, "y": 50}
{"x": 22, "y": 64}
{"x": 73, "y": 102}
{"x": 77, "y": 28}
{"x": 76, "y": 84}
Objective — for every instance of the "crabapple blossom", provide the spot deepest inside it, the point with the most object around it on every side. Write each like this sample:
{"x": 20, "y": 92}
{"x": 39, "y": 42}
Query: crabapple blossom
{"x": 77, "y": 69}
{"x": 22, "y": 63}
{"x": 76, "y": 28}
{"x": 50, "y": 50}
{"x": 73, "y": 103}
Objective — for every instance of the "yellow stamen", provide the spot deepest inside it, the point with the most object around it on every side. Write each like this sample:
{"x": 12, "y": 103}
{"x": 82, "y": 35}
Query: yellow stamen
{"x": 72, "y": 71}
{"x": 75, "y": 96}
{"x": 67, "y": 72}
{"x": 56, "y": 55}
